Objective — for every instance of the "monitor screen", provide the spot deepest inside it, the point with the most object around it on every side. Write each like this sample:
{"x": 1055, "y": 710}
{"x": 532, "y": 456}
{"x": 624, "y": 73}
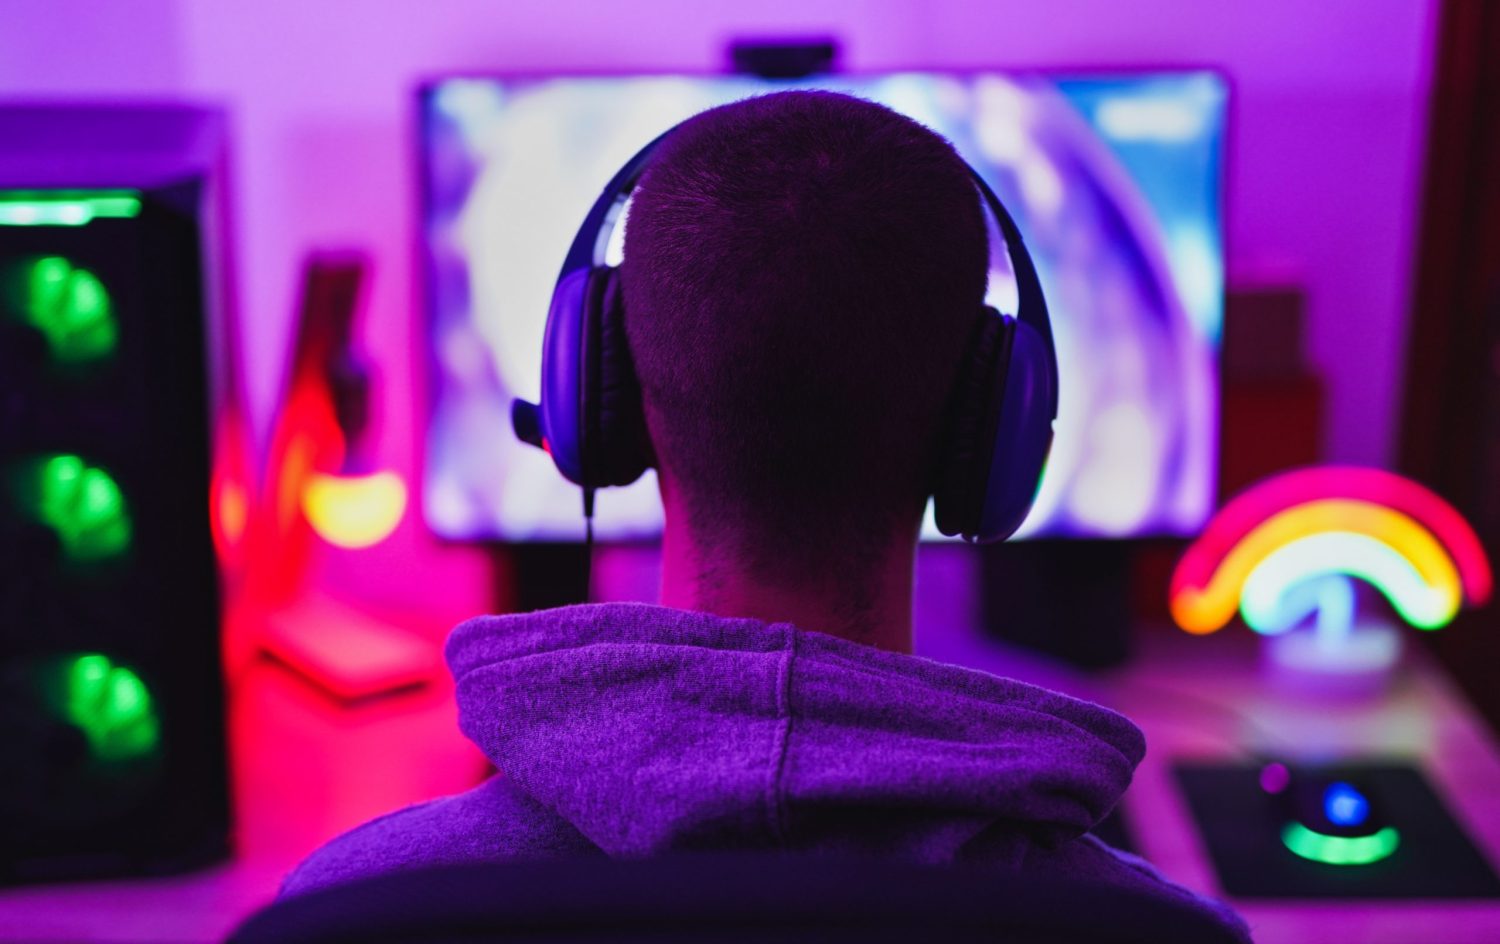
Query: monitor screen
{"x": 1114, "y": 180}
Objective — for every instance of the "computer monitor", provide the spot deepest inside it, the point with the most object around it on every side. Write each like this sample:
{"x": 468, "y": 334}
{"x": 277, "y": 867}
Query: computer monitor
{"x": 1114, "y": 179}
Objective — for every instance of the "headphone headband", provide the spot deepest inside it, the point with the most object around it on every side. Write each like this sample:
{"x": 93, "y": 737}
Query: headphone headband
{"x": 1031, "y": 304}
{"x": 587, "y": 250}
{"x": 591, "y": 241}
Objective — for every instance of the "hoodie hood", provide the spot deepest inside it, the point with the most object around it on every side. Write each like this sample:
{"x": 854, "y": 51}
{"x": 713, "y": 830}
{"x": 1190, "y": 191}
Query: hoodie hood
{"x": 655, "y": 730}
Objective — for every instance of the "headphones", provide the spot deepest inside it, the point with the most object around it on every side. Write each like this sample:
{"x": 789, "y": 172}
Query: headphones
{"x": 591, "y": 421}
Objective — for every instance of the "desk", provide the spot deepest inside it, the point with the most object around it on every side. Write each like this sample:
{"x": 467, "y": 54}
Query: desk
{"x": 1207, "y": 698}
{"x": 305, "y": 770}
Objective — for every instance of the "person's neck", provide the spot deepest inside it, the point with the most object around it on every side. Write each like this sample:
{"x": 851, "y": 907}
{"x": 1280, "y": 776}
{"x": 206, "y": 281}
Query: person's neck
{"x": 824, "y": 605}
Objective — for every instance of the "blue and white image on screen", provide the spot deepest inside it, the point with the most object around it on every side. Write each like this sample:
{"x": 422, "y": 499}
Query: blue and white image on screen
{"x": 1115, "y": 182}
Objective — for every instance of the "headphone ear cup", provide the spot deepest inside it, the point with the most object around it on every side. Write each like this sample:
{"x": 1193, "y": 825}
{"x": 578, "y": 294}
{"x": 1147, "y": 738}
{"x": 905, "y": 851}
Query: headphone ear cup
{"x": 968, "y": 444}
{"x": 616, "y": 446}
{"x": 1023, "y": 438}
{"x": 557, "y": 423}
{"x": 1000, "y": 432}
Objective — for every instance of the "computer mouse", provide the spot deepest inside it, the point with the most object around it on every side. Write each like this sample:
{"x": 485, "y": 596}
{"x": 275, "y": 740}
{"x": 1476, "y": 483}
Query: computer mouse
{"x": 1330, "y": 815}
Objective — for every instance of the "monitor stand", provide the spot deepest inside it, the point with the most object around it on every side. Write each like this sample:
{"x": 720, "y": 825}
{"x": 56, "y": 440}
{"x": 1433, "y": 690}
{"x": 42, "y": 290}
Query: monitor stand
{"x": 1066, "y": 599}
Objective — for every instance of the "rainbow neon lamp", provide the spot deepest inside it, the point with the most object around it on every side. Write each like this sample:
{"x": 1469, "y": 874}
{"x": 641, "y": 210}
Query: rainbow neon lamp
{"x": 1289, "y": 550}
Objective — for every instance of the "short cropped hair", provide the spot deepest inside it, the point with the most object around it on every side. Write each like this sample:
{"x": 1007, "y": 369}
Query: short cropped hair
{"x": 802, "y": 273}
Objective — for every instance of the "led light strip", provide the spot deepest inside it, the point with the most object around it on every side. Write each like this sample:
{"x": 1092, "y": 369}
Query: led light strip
{"x": 66, "y": 207}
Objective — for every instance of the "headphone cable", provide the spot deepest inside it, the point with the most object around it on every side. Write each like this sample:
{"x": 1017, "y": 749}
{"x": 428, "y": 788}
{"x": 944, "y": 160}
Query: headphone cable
{"x": 588, "y": 543}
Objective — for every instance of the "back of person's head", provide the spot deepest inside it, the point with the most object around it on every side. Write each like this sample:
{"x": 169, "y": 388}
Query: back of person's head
{"x": 803, "y": 273}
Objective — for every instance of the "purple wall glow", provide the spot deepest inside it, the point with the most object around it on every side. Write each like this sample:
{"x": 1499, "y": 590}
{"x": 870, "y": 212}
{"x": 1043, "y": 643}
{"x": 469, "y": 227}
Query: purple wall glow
{"x": 1325, "y": 145}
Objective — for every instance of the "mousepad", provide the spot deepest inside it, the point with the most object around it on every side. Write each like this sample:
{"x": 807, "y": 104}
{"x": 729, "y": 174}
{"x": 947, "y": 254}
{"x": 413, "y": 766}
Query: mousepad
{"x": 1243, "y": 825}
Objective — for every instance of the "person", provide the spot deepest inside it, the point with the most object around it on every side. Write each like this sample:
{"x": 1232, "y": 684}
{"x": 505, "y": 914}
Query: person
{"x": 802, "y": 276}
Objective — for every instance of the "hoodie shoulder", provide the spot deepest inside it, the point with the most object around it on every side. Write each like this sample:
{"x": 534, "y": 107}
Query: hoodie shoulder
{"x": 492, "y": 822}
{"x": 1090, "y": 858}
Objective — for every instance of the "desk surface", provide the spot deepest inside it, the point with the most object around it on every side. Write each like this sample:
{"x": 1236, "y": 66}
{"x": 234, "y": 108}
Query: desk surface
{"x": 305, "y": 770}
{"x": 1208, "y": 698}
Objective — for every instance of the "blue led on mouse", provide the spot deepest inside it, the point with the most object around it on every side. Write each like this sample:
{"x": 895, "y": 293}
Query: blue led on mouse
{"x": 1333, "y": 820}
{"x": 1343, "y": 805}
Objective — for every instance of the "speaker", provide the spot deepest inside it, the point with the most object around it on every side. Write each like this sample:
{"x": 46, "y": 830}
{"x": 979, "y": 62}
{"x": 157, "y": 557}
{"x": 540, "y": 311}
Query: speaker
{"x": 112, "y": 718}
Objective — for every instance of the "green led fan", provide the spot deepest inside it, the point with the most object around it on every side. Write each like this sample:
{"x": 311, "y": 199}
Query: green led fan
{"x": 68, "y": 305}
{"x": 66, "y": 207}
{"x": 81, "y": 503}
{"x": 113, "y": 708}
